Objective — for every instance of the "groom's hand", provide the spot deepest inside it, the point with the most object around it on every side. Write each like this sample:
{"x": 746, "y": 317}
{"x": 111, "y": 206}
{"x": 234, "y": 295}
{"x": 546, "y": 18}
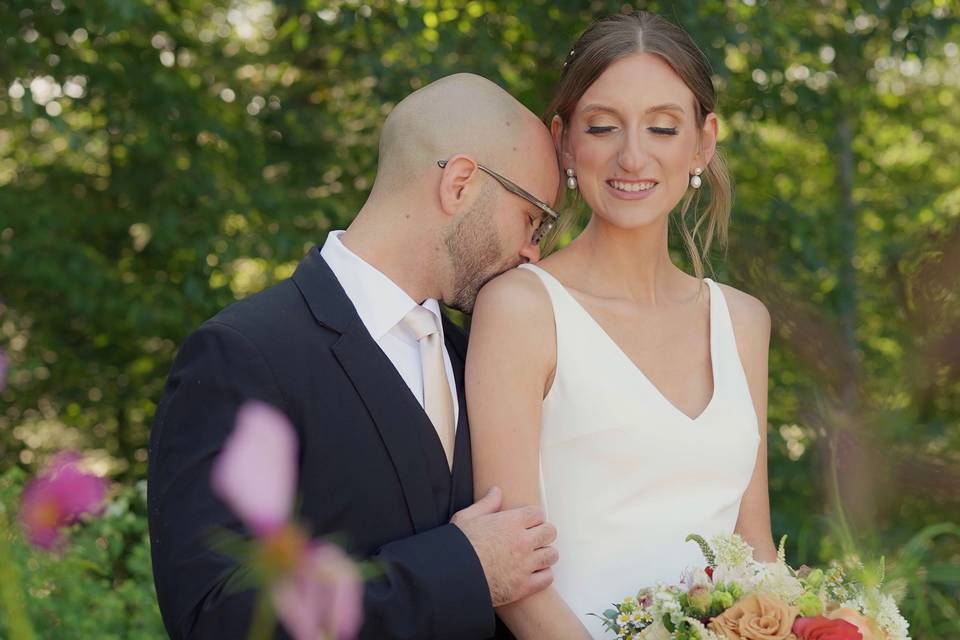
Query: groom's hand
{"x": 513, "y": 546}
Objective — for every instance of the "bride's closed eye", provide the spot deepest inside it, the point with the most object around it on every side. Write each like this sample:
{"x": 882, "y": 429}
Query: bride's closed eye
{"x": 597, "y": 129}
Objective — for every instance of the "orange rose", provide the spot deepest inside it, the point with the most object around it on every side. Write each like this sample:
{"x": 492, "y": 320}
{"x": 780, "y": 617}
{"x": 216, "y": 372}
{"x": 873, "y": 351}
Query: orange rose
{"x": 868, "y": 628}
{"x": 756, "y": 617}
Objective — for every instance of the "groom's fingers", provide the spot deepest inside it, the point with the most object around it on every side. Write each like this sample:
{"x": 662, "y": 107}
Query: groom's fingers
{"x": 486, "y": 505}
{"x": 543, "y": 535}
{"x": 532, "y": 516}
{"x": 544, "y": 558}
{"x": 540, "y": 580}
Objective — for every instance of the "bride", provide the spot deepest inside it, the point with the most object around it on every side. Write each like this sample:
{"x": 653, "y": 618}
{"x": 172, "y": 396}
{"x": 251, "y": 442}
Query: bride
{"x": 624, "y": 395}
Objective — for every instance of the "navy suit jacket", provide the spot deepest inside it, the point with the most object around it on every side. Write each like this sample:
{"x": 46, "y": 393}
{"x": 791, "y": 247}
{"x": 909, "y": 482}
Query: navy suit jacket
{"x": 371, "y": 466}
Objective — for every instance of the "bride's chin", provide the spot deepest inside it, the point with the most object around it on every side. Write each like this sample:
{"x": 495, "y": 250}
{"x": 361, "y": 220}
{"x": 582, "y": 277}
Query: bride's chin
{"x": 630, "y": 218}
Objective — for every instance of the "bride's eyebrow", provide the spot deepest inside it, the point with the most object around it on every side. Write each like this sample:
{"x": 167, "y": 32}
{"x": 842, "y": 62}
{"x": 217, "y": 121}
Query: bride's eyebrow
{"x": 602, "y": 108}
{"x": 666, "y": 106}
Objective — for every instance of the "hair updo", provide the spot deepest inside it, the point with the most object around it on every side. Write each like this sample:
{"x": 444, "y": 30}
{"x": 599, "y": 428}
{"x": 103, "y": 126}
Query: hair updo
{"x": 618, "y": 36}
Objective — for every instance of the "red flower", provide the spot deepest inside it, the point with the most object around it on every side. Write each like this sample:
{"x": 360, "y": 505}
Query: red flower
{"x": 820, "y": 628}
{"x": 709, "y": 572}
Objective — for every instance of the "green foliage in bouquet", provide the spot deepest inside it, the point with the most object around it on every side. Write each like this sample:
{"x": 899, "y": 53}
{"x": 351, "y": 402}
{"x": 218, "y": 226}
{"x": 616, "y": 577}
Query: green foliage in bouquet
{"x": 100, "y": 585}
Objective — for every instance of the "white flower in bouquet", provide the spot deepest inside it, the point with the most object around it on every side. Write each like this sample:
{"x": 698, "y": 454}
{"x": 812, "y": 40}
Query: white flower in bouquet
{"x": 666, "y": 602}
{"x": 731, "y": 550}
{"x": 745, "y": 576}
{"x": 696, "y": 577}
{"x": 735, "y": 563}
{"x": 888, "y": 615}
{"x": 883, "y": 609}
{"x": 776, "y": 579}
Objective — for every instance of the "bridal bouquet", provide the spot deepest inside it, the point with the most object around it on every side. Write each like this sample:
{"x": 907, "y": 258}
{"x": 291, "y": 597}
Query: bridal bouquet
{"x": 737, "y": 598}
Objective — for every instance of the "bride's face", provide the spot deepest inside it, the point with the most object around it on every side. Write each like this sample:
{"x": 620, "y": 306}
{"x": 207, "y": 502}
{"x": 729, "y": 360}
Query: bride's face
{"x": 634, "y": 141}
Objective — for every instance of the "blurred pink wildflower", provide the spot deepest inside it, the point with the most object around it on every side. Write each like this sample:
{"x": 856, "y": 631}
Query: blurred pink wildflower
{"x": 315, "y": 589}
{"x": 256, "y": 473}
{"x": 322, "y": 597}
{"x": 3, "y": 370}
{"x": 57, "y": 498}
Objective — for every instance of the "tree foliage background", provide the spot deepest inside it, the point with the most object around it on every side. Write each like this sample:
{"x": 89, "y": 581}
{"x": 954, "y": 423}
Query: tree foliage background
{"x": 162, "y": 158}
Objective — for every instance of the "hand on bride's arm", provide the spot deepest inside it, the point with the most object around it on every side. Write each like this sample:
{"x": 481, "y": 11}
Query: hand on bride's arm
{"x": 510, "y": 364}
{"x": 751, "y": 325}
{"x": 513, "y": 546}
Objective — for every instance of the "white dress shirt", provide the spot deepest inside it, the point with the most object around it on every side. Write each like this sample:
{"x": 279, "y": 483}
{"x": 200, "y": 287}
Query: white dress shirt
{"x": 381, "y": 305}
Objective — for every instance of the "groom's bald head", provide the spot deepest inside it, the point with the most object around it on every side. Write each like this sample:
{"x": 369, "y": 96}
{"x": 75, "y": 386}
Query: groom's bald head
{"x": 462, "y": 113}
{"x": 446, "y": 231}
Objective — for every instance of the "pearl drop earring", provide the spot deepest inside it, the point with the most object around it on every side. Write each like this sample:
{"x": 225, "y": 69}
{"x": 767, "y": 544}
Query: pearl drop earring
{"x": 571, "y": 180}
{"x": 695, "y": 180}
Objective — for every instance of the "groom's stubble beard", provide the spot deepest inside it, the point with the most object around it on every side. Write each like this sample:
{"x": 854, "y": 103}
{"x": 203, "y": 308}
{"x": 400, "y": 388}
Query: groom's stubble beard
{"x": 475, "y": 249}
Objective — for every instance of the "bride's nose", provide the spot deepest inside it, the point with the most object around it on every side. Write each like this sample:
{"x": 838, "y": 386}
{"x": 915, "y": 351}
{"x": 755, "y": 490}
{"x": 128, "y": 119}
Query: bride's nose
{"x": 632, "y": 156}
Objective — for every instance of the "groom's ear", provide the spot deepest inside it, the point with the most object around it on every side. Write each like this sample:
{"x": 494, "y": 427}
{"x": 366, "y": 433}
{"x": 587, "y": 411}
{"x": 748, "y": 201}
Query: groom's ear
{"x": 458, "y": 184}
{"x": 559, "y": 133}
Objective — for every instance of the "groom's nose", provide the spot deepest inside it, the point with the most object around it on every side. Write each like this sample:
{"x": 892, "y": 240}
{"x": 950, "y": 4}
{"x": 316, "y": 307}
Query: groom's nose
{"x": 530, "y": 252}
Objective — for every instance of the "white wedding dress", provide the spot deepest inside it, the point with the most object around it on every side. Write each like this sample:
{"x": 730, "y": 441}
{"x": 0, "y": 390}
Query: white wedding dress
{"x": 625, "y": 476}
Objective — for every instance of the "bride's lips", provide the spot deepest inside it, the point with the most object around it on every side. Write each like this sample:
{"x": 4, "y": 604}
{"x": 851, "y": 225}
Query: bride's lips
{"x": 631, "y": 189}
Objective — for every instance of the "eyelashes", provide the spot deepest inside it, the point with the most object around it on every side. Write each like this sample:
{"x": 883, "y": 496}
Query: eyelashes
{"x": 660, "y": 131}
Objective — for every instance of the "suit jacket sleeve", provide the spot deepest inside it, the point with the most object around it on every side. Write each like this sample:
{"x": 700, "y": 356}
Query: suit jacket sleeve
{"x": 431, "y": 586}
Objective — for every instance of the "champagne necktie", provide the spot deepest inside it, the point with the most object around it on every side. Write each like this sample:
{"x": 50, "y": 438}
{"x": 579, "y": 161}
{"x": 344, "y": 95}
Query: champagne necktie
{"x": 437, "y": 401}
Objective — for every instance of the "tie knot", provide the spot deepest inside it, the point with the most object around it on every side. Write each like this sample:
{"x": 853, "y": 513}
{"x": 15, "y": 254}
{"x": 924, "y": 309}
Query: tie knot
{"x": 420, "y": 322}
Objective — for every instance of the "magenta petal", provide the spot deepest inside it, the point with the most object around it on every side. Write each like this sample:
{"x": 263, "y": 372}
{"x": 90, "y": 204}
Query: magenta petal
{"x": 57, "y": 498}
{"x": 76, "y": 491}
{"x": 256, "y": 472}
{"x": 80, "y": 493}
{"x": 324, "y": 597}
{"x": 40, "y": 515}
{"x": 296, "y": 600}
{"x": 345, "y": 589}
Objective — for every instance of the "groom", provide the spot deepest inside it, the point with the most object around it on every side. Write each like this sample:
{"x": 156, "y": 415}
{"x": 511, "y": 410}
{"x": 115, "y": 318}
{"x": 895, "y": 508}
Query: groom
{"x": 354, "y": 350}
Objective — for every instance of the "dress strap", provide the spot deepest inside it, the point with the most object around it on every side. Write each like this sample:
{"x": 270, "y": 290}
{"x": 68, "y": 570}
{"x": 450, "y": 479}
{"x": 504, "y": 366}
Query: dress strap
{"x": 723, "y": 343}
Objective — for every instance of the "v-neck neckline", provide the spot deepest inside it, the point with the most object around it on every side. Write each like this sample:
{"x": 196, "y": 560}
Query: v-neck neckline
{"x": 633, "y": 365}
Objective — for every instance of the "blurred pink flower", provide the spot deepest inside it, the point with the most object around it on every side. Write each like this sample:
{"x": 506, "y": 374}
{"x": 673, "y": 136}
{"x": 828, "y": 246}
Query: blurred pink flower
{"x": 322, "y": 597}
{"x": 57, "y": 498}
{"x": 3, "y": 370}
{"x": 256, "y": 473}
{"x": 315, "y": 589}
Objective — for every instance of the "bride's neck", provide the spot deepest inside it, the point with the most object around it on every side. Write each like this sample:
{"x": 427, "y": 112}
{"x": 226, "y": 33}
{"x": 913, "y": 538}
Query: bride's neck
{"x": 633, "y": 264}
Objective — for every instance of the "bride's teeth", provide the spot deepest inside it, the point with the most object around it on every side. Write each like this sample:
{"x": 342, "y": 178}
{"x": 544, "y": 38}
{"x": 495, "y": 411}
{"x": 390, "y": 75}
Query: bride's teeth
{"x": 632, "y": 187}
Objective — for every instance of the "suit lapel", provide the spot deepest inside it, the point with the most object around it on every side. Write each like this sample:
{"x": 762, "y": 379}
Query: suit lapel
{"x": 394, "y": 411}
{"x": 397, "y": 416}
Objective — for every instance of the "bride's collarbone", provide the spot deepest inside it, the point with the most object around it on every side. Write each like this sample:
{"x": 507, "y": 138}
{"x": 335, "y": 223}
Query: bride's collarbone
{"x": 669, "y": 346}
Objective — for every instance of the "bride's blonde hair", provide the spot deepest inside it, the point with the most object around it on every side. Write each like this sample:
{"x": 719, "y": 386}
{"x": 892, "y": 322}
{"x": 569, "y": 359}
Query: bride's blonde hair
{"x": 618, "y": 36}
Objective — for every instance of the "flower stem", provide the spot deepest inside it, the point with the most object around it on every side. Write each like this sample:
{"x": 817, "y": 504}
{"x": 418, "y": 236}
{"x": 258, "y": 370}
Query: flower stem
{"x": 261, "y": 627}
{"x": 11, "y": 597}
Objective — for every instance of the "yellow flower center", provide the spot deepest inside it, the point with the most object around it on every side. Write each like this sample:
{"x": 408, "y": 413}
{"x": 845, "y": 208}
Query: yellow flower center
{"x": 282, "y": 551}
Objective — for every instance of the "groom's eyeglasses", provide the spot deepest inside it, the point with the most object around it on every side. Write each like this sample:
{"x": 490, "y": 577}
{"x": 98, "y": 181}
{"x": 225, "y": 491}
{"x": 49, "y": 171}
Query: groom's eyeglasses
{"x": 549, "y": 218}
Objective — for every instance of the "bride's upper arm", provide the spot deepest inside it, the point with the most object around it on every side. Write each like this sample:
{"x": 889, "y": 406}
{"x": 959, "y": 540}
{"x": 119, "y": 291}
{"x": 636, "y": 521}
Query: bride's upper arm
{"x": 510, "y": 358}
{"x": 751, "y": 327}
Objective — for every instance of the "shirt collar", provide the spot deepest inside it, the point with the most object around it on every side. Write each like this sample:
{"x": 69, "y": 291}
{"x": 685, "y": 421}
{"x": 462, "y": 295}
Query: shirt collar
{"x": 379, "y": 302}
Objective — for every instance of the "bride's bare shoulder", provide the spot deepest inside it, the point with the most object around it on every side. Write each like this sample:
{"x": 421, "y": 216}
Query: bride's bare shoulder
{"x": 749, "y": 315}
{"x": 513, "y": 322}
{"x": 751, "y": 329}
{"x": 515, "y": 295}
